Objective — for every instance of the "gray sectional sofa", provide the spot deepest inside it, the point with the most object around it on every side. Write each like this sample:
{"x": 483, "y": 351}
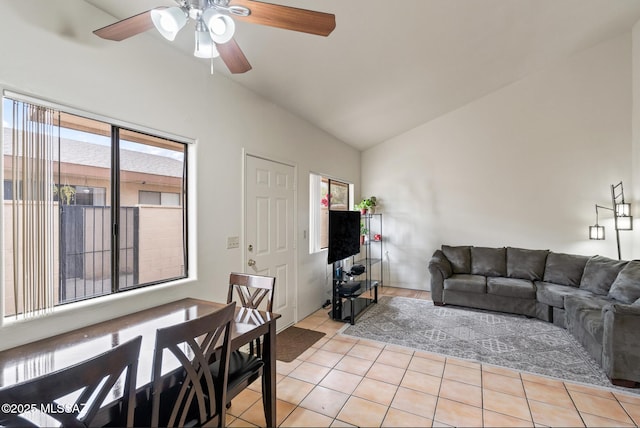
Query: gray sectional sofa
{"x": 596, "y": 299}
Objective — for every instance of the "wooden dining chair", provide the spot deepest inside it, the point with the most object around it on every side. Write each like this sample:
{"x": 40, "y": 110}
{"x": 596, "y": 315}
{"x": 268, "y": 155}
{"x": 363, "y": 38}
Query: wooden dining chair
{"x": 190, "y": 395}
{"x": 91, "y": 380}
{"x": 252, "y": 292}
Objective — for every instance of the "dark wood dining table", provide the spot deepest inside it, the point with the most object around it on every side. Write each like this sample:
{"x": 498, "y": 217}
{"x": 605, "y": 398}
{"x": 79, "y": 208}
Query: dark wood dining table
{"x": 44, "y": 356}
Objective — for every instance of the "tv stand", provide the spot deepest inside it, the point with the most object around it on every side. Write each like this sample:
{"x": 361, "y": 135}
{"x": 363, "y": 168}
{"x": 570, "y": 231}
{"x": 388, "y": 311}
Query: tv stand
{"x": 350, "y": 298}
{"x": 349, "y": 304}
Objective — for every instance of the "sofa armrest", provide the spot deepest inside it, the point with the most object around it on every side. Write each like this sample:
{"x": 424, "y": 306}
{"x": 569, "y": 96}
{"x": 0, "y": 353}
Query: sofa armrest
{"x": 440, "y": 269}
{"x": 620, "y": 344}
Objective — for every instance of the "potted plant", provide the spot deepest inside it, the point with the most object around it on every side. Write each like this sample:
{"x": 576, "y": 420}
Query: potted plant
{"x": 364, "y": 233}
{"x": 362, "y": 207}
{"x": 367, "y": 205}
{"x": 65, "y": 193}
{"x": 371, "y": 204}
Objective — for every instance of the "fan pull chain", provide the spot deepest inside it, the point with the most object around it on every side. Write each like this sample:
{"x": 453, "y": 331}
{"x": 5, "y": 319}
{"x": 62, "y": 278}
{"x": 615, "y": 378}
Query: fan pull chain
{"x": 212, "y": 66}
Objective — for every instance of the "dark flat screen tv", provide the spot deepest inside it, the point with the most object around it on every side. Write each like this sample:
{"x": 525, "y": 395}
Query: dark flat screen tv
{"x": 344, "y": 235}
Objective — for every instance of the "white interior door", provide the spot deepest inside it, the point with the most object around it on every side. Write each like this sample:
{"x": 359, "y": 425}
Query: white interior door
{"x": 269, "y": 230}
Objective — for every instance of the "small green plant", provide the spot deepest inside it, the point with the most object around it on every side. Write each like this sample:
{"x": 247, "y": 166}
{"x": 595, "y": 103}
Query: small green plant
{"x": 363, "y": 229}
{"x": 371, "y": 202}
{"x": 367, "y": 204}
{"x": 65, "y": 193}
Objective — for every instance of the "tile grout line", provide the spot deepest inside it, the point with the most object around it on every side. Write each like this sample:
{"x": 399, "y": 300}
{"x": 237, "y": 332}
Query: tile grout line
{"x": 398, "y": 386}
{"x": 526, "y": 397}
{"x": 333, "y": 368}
{"x": 633, "y": 421}
{"x": 435, "y": 408}
{"x": 482, "y": 394}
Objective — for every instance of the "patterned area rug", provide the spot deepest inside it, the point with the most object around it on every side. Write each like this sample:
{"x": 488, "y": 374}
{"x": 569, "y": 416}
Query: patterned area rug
{"x": 512, "y": 341}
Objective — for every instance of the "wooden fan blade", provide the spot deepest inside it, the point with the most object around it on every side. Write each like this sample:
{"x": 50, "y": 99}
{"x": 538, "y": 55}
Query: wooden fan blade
{"x": 233, "y": 57}
{"x": 288, "y": 18}
{"x": 127, "y": 27}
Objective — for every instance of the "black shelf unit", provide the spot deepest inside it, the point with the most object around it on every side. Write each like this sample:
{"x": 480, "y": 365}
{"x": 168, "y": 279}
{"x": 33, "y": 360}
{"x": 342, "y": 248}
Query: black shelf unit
{"x": 372, "y": 249}
{"x": 348, "y": 304}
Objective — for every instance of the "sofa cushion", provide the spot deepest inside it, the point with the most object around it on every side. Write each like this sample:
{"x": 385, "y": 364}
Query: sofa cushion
{"x": 459, "y": 257}
{"x": 577, "y": 302}
{"x": 564, "y": 269}
{"x": 583, "y": 316}
{"x": 599, "y": 274}
{"x": 554, "y": 294}
{"x": 526, "y": 264}
{"x": 626, "y": 287}
{"x": 466, "y": 283}
{"x": 511, "y": 287}
{"x": 587, "y": 326}
{"x": 488, "y": 261}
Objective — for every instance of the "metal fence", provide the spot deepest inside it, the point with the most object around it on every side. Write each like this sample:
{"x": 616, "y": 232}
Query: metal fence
{"x": 85, "y": 250}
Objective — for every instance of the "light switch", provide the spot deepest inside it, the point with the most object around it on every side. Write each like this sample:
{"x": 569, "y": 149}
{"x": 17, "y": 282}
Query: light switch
{"x": 233, "y": 242}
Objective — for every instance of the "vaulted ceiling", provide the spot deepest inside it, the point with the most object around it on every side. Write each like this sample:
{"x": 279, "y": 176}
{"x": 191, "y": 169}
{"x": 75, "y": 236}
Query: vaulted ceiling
{"x": 390, "y": 66}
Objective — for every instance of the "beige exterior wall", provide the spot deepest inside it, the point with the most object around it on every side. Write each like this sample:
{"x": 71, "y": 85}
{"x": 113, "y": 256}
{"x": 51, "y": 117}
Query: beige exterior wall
{"x": 161, "y": 252}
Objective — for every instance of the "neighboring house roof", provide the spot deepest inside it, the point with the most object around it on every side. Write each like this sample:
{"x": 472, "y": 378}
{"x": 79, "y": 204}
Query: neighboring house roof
{"x": 96, "y": 155}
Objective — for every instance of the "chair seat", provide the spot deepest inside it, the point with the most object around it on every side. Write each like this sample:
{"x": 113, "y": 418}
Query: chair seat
{"x": 241, "y": 367}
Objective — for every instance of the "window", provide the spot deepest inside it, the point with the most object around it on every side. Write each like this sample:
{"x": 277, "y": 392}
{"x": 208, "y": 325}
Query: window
{"x": 326, "y": 194}
{"x": 82, "y": 201}
{"x": 158, "y": 198}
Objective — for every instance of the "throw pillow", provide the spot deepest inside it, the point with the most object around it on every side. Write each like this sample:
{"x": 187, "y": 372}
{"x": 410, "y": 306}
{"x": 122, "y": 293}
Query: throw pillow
{"x": 460, "y": 258}
{"x": 599, "y": 274}
{"x": 564, "y": 269}
{"x": 626, "y": 287}
{"x": 489, "y": 261}
{"x": 526, "y": 264}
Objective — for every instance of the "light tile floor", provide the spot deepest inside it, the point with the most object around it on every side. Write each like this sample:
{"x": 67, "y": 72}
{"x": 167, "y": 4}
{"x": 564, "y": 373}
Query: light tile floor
{"x": 342, "y": 382}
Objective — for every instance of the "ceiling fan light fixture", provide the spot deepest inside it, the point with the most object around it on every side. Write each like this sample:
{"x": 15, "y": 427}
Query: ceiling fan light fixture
{"x": 169, "y": 21}
{"x": 221, "y": 27}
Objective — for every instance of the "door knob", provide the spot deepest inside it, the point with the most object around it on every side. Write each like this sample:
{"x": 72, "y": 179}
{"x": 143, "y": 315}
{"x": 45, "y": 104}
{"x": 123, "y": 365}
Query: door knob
{"x": 251, "y": 262}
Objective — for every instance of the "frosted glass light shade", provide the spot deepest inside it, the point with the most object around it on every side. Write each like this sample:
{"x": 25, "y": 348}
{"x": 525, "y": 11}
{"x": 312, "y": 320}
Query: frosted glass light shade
{"x": 169, "y": 21}
{"x": 596, "y": 232}
{"x": 623, "y": 209}
{"x": 221, "y": 27}
{"x": 205, "y": 48}
{"x": 624, "y": 222}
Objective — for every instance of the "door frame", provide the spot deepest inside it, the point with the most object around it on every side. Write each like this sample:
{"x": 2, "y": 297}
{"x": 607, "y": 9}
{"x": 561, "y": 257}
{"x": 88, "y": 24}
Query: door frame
{"x": 243, "y": 232}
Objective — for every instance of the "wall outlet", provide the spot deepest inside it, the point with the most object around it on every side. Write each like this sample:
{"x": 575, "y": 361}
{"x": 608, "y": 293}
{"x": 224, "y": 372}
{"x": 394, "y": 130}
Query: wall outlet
{"x": 233, "y": 242}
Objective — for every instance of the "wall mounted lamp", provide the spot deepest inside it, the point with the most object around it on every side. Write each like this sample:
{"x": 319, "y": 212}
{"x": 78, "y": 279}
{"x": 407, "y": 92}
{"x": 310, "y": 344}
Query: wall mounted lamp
{"x": 623, "y": 220}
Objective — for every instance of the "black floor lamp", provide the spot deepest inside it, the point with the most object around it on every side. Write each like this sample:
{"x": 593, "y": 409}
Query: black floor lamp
{"x": 622, "y": 218}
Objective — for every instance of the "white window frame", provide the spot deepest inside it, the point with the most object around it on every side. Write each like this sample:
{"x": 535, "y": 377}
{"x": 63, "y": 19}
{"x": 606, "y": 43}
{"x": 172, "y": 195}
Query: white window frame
{"x": 190, "y": 206}
{"x": 315, "y": 182}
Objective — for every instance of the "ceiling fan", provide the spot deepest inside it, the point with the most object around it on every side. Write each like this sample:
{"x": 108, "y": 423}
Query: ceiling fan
{"x": 214, "y": 25}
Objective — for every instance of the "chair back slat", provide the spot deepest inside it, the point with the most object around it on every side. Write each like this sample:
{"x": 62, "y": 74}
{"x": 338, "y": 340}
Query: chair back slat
{"x": 197, "y": 395}
{"x": 96, "y": 378}
{"x": 251, "y": 290}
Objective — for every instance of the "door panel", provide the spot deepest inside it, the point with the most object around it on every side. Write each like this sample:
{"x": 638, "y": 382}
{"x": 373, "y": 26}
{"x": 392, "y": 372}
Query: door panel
{"x": 269, "y": 233}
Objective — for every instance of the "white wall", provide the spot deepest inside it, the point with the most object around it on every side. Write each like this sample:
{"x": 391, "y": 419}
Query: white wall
{"x": 522, "y": 166}
{"x": 635, "y": 129}
{"x": 48, "y": 51}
